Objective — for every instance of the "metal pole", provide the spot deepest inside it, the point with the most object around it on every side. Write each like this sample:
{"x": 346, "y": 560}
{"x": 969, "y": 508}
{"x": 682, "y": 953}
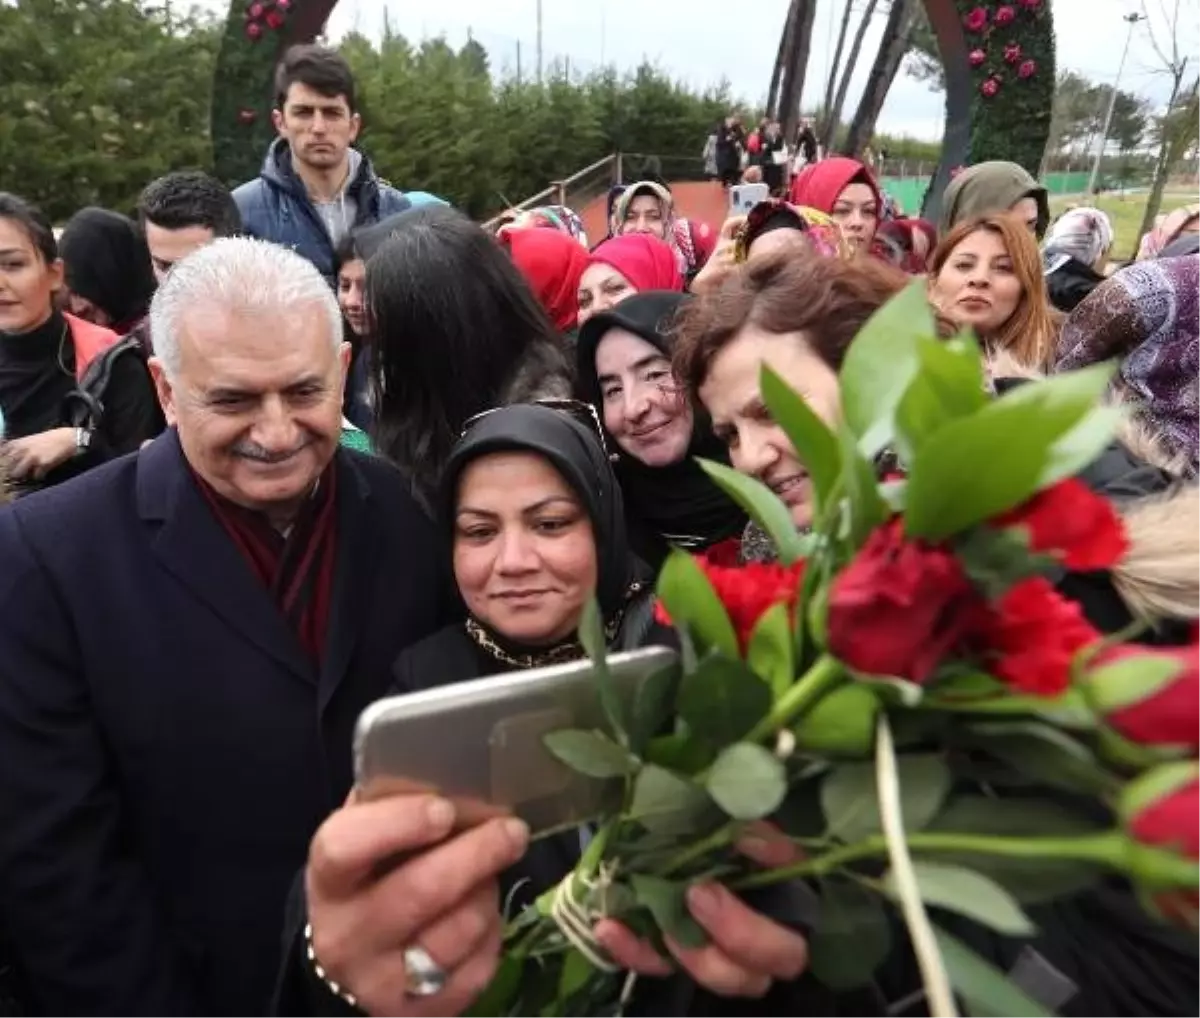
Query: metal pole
{"x": 539, "y": 41}
{"x": 1132, "y": 19}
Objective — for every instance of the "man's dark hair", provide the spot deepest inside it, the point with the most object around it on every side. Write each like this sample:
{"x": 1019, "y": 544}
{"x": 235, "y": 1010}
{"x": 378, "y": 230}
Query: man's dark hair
{"x": 323, "y": 70}
{"x": 190, "y": 198}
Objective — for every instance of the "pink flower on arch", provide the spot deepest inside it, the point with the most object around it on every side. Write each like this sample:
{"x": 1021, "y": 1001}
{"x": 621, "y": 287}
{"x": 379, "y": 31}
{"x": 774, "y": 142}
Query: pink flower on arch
{"x": 254, "y": 31}
{"x": 990, "y": 87}
{"x": 1030, "y": 5}
{"x": 254, "y": 11}
{"x": 1012, "y": 53}
{"x": 976, "y": 20}
{"x": 1005, "y": 15}
{"x": 976, "y": 57}
{"x": 1027, "y": 69}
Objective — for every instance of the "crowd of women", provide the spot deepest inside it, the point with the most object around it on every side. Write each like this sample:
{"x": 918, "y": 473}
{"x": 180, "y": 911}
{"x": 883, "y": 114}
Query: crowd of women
{"x": 643, "y": 352}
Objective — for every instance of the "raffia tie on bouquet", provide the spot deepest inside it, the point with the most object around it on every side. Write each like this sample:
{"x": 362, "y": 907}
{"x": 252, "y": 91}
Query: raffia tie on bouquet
{"x": 576, "y": 920}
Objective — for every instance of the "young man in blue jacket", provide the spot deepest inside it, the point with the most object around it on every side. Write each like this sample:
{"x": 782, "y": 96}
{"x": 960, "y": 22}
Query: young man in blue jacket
{"x": 314, "y": 187}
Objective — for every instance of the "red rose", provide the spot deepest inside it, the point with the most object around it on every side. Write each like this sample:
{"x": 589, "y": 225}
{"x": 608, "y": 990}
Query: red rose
{"x": 899, "y": 606}
{"x": 1032, "y": 635}
{"x": 1149, "y": 695}
{"x": 1005, "y": 15}
{"x": 275, "y": 19}
{"x": 976, "y": 20}
{"x": 990, "y": 87}
{"x": 976, "y": 57}
{"x": 1027, "y": 69}
{"x": 725, "y": 553}
{"x": 1012, "y": 52}
{"x": 1071, "y": 522}
{"x": 747, "y": 592}
{"x": 1162, "y": 809}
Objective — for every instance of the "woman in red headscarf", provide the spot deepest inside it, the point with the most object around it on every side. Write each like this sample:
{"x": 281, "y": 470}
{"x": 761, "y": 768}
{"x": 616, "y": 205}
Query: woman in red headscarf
{"x": 551, "y": 262}
{"x": 623, "y": 266}
{"x": 845, "y": 190}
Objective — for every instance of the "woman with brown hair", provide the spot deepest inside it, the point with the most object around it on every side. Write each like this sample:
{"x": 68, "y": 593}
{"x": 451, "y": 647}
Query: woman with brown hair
{"x": 798, "y": 314}
{"x": 987, "y": 275}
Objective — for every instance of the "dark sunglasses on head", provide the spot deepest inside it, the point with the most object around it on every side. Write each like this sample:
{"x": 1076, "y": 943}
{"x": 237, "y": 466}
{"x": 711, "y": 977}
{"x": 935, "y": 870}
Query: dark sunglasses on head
{"x": 577, "y": 410}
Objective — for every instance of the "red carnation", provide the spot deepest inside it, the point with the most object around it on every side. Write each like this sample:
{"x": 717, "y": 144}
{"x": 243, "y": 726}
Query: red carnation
{"x": 990, "y": 87}
{"x": 1005, "y": 15}
{"x": 1071, "y": 522}
{"x": 1149, "y": 695}
{"x": 1033, "y": 633}
{"x": 1012, "y": 52}
{"x": 976, "y": 57}
{"x": 1027, "y": 69}
{"x": 899, "y": 606}
{"x": 747, "y": 592}
{"x": 976, "y": 20}
{"x": 275, "y": 19}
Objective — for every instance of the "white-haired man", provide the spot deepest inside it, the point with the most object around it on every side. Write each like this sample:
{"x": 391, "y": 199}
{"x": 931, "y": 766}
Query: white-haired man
{"x": 187, "y": 636}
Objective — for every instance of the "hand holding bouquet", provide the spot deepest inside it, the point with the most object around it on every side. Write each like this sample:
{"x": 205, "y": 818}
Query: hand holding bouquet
{"x": 905, "y": 694}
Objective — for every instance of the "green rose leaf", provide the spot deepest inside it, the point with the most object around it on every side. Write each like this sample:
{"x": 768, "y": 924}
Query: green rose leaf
{"x": 747, "y": 781}
{"x": 867, "y": 507}
{"x": 1027, "y": 439}
{"x": 880, "y": 363}
{"x": 948, "y": 386}
{"x": 815, "y": 445}
{"x": 989, "y": 992}
{"x": 850, "y": 800}
{"x": 770, "y": 654}
{"x": 501, "y": 993}
{"x": 576, "y": 971}
{"x": 968, "y": 893}
{"x": 995, "y": 559}
{"x": 1029, "y": 881}
{"x": 666, "y": 900}
{"x": 851, "y": 940}
{"x": 678, "y": 752}
{"x": 593, "y": 641}
{"x": 762, "y": 505}
{"x": 590, "y": 753}
{"x": 722, "y": 700}
{"x": 664, "y": 802}
{"x": 689, "y": 598}
{"x": 1044, "y": 754}
{"x": 652, "y": 707}
{"x": 840, "y": 724}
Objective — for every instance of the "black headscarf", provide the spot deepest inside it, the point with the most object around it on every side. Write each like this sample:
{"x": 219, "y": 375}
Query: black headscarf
{"x": 108, "y": 263}
{"x": 679, "y": 503}
{"x": 575, "y": 452}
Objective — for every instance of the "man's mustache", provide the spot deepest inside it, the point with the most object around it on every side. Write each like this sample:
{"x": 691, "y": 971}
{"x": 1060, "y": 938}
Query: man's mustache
{"x": 254, "y": 451}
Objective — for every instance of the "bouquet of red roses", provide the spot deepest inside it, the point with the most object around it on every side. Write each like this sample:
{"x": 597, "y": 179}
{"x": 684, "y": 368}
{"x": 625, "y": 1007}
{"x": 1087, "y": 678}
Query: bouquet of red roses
{"x": 905, "y": 693}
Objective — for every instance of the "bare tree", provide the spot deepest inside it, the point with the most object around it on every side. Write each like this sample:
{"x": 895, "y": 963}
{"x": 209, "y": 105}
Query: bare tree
{"x": 897, "y": 35}
{"x": 796, "y": 65}
{"x": 1174, "y": 64}
{"x": 834, "y": 113}
{"x": 780, "y": 56}
{"x": 835, "y": 65}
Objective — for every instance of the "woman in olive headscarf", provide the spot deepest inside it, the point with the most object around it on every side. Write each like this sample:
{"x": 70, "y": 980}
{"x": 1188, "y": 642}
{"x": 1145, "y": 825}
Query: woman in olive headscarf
{"x": 995, "y": 186}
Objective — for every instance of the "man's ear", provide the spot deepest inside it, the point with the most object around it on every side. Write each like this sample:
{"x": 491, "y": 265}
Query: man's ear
{"x": 277, "y": 120}
{"x": 162, "y": 386}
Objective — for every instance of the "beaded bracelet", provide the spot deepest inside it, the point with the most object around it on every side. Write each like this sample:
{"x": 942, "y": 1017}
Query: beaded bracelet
{"x": 331, "y": 985}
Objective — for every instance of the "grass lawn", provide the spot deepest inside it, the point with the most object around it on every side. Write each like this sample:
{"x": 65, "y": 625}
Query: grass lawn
{"x": 1125, "y": 211}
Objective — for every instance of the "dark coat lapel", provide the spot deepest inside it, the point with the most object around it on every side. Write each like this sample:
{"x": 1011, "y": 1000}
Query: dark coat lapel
{"x": 192, "y": 545}
{"x": 353, "y": 573}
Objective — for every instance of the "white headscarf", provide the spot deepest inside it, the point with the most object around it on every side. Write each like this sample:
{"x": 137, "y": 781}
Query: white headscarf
{"x": 1082, "y": 233}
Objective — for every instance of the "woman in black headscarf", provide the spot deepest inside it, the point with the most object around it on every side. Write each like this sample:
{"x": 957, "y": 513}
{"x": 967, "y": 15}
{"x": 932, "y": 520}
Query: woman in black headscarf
{"x": 108, "y": 273}
{"x": 624, "y": 370}
{"x": 531, "y": 504}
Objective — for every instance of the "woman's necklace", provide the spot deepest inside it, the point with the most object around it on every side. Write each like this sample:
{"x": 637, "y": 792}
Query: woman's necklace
{"x": 562, "y": 653}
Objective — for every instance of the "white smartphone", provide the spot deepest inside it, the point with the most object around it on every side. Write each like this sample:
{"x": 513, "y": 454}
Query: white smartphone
{"x": 480, "y": 743}
{"x": 743, "y": 197}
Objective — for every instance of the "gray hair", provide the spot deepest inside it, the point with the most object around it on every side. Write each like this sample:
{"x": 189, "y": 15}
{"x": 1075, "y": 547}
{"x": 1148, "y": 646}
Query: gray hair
{"x": 235, "y": 274}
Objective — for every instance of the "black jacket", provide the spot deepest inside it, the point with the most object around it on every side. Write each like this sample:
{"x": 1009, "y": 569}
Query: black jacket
{"x": 1069, "y": 280}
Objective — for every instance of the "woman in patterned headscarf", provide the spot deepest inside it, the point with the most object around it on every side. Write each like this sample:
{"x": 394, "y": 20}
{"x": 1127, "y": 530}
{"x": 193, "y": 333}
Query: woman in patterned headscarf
{"x": 649, "y": 207}
{"x": 1076, "y": 250}
{"x": 1147, "y": 315}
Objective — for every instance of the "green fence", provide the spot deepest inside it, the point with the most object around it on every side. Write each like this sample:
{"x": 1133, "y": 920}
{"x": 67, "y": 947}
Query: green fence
{"x": 909, "y": 192}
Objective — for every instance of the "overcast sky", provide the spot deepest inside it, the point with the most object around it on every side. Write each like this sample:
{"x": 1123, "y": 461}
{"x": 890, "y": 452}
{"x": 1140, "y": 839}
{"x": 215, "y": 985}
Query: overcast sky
{"x": 703, "y": 40}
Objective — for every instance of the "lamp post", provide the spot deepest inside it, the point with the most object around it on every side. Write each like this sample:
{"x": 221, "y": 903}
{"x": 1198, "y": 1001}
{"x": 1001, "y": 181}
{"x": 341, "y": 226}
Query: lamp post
{"x": 1132, "y": 19}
